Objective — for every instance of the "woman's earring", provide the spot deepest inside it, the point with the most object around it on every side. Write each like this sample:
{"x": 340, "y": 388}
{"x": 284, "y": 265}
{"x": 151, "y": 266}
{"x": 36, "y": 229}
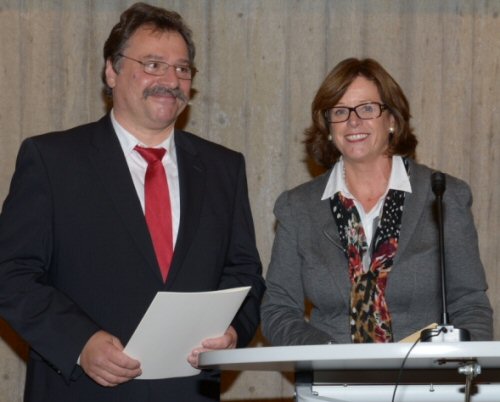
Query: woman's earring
{"x": 329, "y": 137}
{"x": 391, "y": 134}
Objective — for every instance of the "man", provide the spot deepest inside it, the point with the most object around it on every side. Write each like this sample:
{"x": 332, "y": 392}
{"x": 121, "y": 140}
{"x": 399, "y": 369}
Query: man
{"x": 83, "y": 250}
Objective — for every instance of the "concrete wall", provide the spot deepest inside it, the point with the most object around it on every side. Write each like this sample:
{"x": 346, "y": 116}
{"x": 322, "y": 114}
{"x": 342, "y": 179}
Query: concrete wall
{"x": 261, "y": 62}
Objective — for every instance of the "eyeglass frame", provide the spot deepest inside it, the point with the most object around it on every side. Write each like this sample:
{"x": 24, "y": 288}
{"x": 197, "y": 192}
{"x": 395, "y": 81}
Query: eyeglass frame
{"x": 192, "y": 69}
{"x": 382, "y": 107}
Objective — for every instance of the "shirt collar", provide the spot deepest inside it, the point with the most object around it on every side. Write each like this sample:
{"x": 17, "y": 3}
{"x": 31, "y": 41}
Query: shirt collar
{"x": 398, "y": 180}
{"x": 128, "y": 141}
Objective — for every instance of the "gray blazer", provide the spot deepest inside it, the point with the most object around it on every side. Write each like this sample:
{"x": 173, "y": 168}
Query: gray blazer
{"x": 308, "y": 274}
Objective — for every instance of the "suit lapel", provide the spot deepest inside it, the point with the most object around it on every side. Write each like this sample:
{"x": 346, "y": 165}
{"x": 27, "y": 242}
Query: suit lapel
{"x": 192, "y": 182}
{"x": 331, "y": 245}
{"x": 413, "y": 207}
{"x": 107, "y": 158}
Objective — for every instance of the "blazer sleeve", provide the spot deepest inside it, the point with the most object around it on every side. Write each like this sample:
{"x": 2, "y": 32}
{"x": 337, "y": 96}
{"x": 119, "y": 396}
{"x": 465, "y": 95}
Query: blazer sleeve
{"x": 283, "y": 309}
{"x": 242, "y": 263}
{"x": 468, "y": 304}
{"x": 48, "y": 320}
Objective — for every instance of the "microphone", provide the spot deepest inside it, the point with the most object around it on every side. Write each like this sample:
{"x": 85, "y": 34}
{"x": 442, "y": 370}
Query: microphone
{"x": 438, "y": 184}
{"x": 444, "y": 332}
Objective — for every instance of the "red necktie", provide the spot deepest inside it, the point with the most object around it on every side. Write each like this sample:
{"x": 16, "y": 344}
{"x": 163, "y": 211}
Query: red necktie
{"x": 158, "y": 210}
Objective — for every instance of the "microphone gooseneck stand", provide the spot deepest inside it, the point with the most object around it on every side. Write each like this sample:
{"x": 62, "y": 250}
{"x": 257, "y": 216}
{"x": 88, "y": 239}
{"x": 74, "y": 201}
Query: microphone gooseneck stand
{"x": 445, "y": 332}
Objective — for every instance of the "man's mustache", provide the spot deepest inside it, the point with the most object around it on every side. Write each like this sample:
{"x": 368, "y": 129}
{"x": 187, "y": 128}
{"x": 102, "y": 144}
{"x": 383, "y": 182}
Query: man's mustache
{"x": 161, "y": 90}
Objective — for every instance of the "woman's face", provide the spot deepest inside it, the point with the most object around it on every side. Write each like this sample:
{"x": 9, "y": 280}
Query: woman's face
{"x": 361, "y": 140}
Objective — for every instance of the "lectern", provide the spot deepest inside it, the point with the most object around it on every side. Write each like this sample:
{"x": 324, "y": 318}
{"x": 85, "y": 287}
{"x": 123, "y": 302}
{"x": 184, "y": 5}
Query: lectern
{"x": 433, "y": 372}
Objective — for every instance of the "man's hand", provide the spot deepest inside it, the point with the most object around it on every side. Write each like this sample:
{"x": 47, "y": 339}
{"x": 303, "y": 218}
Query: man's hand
{"x": 103, "y": 360}
{"x": 226, "y": 341}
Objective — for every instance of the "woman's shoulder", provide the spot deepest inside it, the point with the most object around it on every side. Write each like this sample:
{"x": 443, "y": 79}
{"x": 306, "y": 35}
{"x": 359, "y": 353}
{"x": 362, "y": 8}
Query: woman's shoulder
{"x": 420, "y": 176}
{"x": 305, "y": 195}
{"x": 314, "y": 186}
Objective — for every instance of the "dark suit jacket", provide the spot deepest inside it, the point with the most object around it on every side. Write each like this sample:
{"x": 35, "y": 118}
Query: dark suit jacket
{"x": 76, "y": 255}
{"x": 308, "y": 262}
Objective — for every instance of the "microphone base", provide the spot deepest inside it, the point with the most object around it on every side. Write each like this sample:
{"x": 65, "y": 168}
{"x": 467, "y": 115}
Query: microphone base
{"x": 444, "y": 333}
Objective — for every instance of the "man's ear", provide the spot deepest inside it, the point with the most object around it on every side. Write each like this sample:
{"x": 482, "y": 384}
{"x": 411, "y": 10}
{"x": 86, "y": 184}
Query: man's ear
{"x": 110, "y": 74}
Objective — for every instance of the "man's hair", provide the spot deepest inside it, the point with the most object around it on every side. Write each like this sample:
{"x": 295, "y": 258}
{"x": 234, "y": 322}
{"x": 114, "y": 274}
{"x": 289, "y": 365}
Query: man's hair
{"x": 320, "y": 147}
{"x": 142, "y": 15}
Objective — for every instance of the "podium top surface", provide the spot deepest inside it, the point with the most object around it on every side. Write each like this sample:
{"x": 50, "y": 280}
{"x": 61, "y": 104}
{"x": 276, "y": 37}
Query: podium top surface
{"x": 447, "y": 355}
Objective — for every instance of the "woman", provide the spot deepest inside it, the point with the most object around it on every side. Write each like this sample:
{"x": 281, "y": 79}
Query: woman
{"x": 359, "y": 244}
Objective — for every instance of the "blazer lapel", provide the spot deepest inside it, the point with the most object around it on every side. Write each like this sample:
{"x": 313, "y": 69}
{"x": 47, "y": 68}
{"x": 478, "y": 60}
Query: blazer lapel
{"x": 107, "y": 158}
{"x": 331, "y": 231}
{"x": 330, "y": 243}
{"x": 192, "y": 182}
{"x": 414, "y": 207}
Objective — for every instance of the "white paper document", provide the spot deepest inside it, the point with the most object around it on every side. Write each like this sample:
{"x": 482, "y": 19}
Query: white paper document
{"x": 176, "y": 323}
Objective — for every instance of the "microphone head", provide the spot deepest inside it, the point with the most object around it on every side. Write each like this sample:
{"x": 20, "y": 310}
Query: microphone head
{"x": 438, "y": 183}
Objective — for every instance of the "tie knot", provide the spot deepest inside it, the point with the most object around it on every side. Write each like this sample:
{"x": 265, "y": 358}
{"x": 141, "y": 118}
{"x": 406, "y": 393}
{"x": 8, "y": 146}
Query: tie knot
{"x": 151, "y": 155}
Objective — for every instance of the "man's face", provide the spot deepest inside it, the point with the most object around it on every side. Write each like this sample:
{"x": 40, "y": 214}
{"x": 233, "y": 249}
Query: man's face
{"x": 144, "y": 104}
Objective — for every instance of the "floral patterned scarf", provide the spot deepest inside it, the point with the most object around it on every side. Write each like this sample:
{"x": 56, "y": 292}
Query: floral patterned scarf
{"x": 370, "y": 316}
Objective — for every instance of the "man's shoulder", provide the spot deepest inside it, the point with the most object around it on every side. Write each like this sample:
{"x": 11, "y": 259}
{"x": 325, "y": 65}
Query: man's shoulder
{"x": 72, "y": 140}
{"x": 73, "y": 134}
{"x": 197, "y": 145}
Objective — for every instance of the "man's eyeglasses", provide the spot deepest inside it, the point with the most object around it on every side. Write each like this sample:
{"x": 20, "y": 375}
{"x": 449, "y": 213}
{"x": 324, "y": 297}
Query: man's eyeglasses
{"x": 365, "y": 111}
{"x": 159, "y": 68}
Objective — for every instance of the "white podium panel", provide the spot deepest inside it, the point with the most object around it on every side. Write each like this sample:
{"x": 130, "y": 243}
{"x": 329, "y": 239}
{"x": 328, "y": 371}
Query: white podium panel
{"x": 369, "y": 372}
{"x": 405, "y": 393}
